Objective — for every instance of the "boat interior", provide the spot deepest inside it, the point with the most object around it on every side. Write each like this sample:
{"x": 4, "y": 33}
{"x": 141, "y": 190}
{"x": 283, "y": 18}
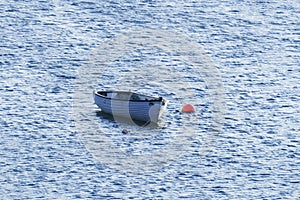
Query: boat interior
{"x": 122, "y": 95}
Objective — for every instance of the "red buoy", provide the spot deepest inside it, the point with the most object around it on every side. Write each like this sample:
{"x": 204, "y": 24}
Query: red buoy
{"x": 188, "y": 108}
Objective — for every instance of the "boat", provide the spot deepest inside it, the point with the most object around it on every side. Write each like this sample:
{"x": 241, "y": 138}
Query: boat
{"x": 127, "y": 104}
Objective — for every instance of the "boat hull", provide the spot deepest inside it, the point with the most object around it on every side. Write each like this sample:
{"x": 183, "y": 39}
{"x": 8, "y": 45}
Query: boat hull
{"x": 142, "y": 110}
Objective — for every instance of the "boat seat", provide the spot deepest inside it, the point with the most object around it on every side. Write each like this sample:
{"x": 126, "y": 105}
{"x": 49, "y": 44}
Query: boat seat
{"x": 135, "y": 97}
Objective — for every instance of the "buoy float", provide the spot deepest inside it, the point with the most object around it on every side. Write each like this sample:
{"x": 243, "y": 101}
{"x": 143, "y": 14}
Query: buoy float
{"x": 188, "y": 108}
{"x": 125, "y": 131}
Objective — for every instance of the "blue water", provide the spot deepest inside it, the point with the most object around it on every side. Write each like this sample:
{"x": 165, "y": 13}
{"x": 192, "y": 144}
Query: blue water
{"x": 48, "y": 152}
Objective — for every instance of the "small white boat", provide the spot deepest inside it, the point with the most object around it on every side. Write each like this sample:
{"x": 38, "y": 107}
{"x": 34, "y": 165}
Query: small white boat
{"x": 130, "y": 105}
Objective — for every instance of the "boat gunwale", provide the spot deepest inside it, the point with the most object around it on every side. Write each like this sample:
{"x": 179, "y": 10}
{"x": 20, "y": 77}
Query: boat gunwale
{"x": 156, "y": 99}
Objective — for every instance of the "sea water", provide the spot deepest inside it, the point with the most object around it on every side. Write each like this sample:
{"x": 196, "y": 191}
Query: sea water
{"x": 236, "y": 61}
